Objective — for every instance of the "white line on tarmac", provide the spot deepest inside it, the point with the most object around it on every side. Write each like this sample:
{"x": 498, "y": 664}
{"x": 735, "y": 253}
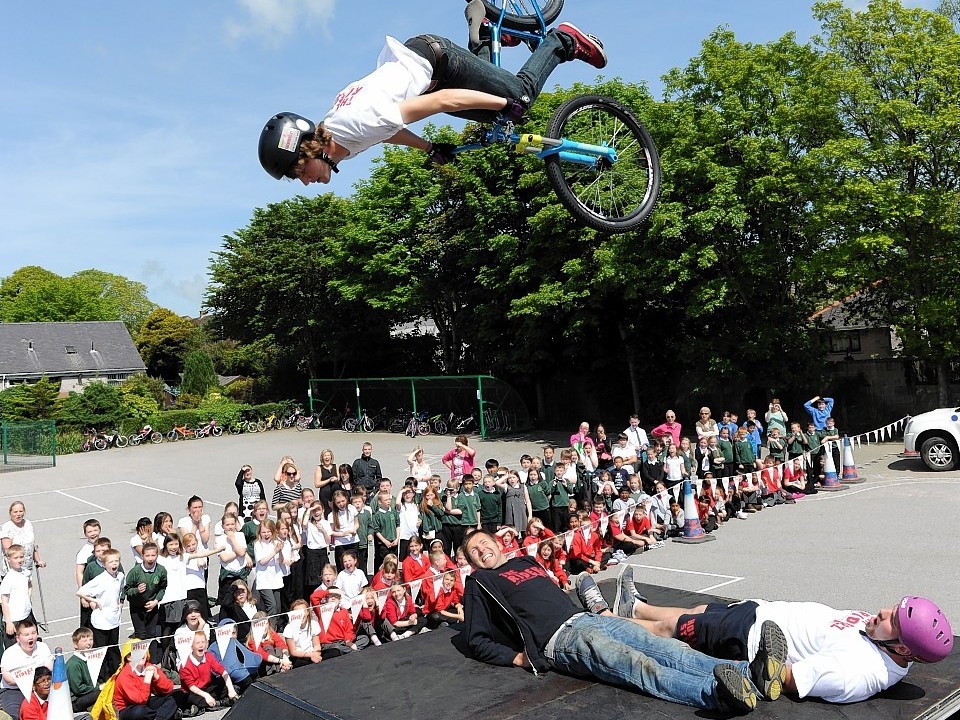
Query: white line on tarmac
{"x": 65, "y": 517}
{"x": 48, "y": 492}
{"x": 729, "y": 581}
{"x": 720, "y": 585}
{"x": 72, "y": 497}
{"x": 148, "y": 487}
{"x": 852, "y": 490}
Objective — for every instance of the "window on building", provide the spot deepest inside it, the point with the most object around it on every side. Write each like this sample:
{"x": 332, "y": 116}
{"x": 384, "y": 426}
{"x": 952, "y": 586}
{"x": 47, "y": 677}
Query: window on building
{"x": 70, "y": 349}
{"x": 845, "y": 342}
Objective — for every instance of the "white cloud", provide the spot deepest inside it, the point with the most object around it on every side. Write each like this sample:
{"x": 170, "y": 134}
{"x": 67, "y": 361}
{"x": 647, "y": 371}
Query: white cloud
{"x": 276, "y": 20}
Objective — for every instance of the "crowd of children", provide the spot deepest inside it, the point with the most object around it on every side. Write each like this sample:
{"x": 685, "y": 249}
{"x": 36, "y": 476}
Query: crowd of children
{"x": 295, "y": 584}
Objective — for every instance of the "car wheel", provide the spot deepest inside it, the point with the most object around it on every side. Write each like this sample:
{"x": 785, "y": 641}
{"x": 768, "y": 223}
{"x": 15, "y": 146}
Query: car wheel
{"x": 938, "y": 453}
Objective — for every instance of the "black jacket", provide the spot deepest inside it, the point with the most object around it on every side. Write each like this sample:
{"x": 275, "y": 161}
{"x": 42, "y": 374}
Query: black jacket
{"x": 495, "y": 634}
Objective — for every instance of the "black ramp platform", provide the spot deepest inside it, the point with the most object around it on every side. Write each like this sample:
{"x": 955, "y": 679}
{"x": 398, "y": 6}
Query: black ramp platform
{"x": 428, "y": 678}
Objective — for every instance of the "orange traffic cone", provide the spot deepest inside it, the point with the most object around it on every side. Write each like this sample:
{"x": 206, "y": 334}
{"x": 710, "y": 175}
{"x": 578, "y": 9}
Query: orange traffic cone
{"x": 692, "y": 531}
{"x": 830, "y": 481}
{"x": 849, "y": 466}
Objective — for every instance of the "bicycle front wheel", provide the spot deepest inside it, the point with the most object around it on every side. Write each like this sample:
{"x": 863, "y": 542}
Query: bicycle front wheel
{"x": 366, "y": 424}
{"x": 439, "y": 427}
{"x": 351, "y": 424}
{"x": 522, "y": 14}
{"x": 609, "y": 197}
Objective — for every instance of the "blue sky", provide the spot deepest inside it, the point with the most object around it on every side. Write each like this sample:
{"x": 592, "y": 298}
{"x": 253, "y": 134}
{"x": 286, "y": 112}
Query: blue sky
{"x": 128, "y": 133}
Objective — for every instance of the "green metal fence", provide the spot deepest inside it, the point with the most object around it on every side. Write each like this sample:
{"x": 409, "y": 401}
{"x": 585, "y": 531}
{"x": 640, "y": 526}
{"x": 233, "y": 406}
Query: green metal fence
{"x": 28, "y": 445}
{"x": 495, "y": 407}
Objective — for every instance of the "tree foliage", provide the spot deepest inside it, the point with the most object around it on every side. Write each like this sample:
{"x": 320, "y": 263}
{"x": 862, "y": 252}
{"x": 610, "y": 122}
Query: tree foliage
{"x": 99, "y": 406}
{"x": 894, "y": 174}
{"x": 198, "y": 374}
{"x": 32, "y": 294}
{"x": 36, "y": 401}
{"x": 162, "y": 341}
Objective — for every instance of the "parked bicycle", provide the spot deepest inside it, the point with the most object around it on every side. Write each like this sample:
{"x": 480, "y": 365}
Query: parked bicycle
{"x": 354, "y": 424}
{"x": 211, "y": 428}
{"x": 146, "y": 433}
{"x": 92, "y": 440}
{"x": 181, "y": 433}
{"x": 115, "y": 439}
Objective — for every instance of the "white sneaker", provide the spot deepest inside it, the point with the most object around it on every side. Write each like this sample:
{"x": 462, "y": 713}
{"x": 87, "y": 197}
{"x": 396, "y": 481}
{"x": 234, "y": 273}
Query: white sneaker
{"x": 742, "y": 515}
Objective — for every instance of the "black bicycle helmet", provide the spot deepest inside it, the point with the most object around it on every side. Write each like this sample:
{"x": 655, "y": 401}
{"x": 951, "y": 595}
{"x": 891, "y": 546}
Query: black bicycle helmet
{"x": 280, "y": 143}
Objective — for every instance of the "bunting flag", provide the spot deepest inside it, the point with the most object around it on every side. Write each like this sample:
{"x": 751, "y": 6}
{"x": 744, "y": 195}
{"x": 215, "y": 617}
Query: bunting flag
{"x": 437, "y": 584}
{"x": 94, "y": 660}
{"x": 223, "y": 636}
{"x": 532, "y": 549}
{"x": 415, "y": 586}
{"x": 726, "y": 485}
{"x": 258, "y": 629}
{"x": 465, "y": 570}
{"x": 568, "y": 540}
{"x": 713, "y": 485}
{"x": 326, "y": 614}
{"x": 356, "y": 605}
{"x": 381, "y": 598}
{"x": 183, "y": 643}
{"x": 604, "y": 523}
{"x": 296, "y": 616}
{"x": 24, "y": 679}
{"x": 138, "y": 652}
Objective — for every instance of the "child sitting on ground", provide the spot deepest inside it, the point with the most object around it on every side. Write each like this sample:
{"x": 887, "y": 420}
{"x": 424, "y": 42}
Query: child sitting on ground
{"x": 206, "y": 682}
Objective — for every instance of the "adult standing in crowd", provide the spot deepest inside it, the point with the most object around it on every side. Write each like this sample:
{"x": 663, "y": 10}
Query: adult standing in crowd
{"x": 820, "y": 409}
{"x": 288, "y": 490}
{"x": 459, "y": 459}
{"x": 19, "y": 531}
{"x": 706, "y": 425}
{"x": 325, "y": 479}
{"x": 670, "y": 427}
{"x": 636, "y": 436}
{"x": 603, "y": 446}
{"x": 366, "y": 469}
{"x": 776, "y": 417}
{"x": 582, "y": 433}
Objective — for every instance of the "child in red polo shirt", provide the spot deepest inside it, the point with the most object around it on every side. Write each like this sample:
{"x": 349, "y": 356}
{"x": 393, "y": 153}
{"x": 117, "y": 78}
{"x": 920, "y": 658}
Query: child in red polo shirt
{"x": 446, "y": 601}
{"x": 586, "y": 549}
{"x": 205, "y": 680}
{"x": 339, "y": 637}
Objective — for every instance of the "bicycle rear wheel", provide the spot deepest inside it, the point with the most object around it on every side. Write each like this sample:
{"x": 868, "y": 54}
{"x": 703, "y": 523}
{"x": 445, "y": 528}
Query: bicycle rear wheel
{"x": 439, "y": 427}
{"x": 609, "y": 197}
{"x": 366, "y": 424}
{"x": 522, "y": 14}
{"x": 350, "y": 424}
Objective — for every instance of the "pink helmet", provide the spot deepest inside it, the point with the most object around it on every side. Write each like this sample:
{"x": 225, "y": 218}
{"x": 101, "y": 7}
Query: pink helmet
{"x": 924, "y": 629}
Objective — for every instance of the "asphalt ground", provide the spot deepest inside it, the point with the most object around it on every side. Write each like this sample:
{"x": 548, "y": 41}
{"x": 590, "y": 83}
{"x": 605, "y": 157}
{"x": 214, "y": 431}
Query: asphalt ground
{"x": 864, "y": 547}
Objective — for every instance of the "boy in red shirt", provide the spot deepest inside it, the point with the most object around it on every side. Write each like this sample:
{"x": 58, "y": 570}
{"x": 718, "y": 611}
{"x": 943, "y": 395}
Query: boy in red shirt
{"x": 446, "y": 602}
{"x": 340, "y": 637}
{"x": 586, "y": 549}
{"x": 205, "y": 679}
{"x": 143, "y": 690}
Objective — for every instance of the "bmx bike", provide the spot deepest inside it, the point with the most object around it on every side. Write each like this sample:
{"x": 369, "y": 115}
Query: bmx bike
{"x": 600, "y": 160}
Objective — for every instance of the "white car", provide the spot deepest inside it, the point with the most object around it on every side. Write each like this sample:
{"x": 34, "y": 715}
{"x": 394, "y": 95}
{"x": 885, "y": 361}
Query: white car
{"x": 935, "y": 436}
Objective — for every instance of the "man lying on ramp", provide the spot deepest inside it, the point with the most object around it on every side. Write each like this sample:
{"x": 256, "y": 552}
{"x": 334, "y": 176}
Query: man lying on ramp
{"x": 841, "y": 656}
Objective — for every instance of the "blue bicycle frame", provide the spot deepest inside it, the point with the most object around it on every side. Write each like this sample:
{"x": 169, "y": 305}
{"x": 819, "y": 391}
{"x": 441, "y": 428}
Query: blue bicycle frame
{"x": 542, "y": 147}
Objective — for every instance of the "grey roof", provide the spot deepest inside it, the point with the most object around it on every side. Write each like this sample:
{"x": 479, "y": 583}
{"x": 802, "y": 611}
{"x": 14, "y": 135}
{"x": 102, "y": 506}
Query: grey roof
{"x": 43, "y": 348}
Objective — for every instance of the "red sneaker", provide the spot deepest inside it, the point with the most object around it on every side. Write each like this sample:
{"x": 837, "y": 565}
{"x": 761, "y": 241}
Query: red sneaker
{"x": 585, "y": 47}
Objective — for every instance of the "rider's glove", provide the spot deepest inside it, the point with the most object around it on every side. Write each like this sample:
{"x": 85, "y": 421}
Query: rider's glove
{"x": 515, "y": 109}
{"x": 442, "y": 153}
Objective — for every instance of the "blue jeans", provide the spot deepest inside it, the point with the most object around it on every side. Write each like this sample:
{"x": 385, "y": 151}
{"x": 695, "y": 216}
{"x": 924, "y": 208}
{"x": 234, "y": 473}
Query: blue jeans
{"x": 617, "y": 651}
{"x": 458, "y": 68}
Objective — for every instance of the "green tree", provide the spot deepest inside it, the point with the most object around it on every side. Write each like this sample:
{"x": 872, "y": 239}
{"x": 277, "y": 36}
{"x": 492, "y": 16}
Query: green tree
{"x": 198, "y": 374}
{"x": 894, "y": 175}
{"x": 162, "y": 342}
{"x": 32, "y": 294}
{"x": 99, "y": 406}
{"x": 36, "y": 401}
{"x": 142, "y": 385}
{"x": 273, "y": 284}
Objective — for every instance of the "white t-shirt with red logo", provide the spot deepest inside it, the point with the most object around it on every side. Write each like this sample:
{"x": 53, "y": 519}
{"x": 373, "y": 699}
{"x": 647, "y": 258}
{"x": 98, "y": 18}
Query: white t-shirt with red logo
{"x": 367, "y": 111}
{"x": 830, "y": 659}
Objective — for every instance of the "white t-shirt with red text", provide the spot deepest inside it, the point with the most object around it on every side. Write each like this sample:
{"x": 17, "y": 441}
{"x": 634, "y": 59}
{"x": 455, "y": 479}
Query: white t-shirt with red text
{"x": 830, "y": 659}
{"x": 367, "y": 111}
